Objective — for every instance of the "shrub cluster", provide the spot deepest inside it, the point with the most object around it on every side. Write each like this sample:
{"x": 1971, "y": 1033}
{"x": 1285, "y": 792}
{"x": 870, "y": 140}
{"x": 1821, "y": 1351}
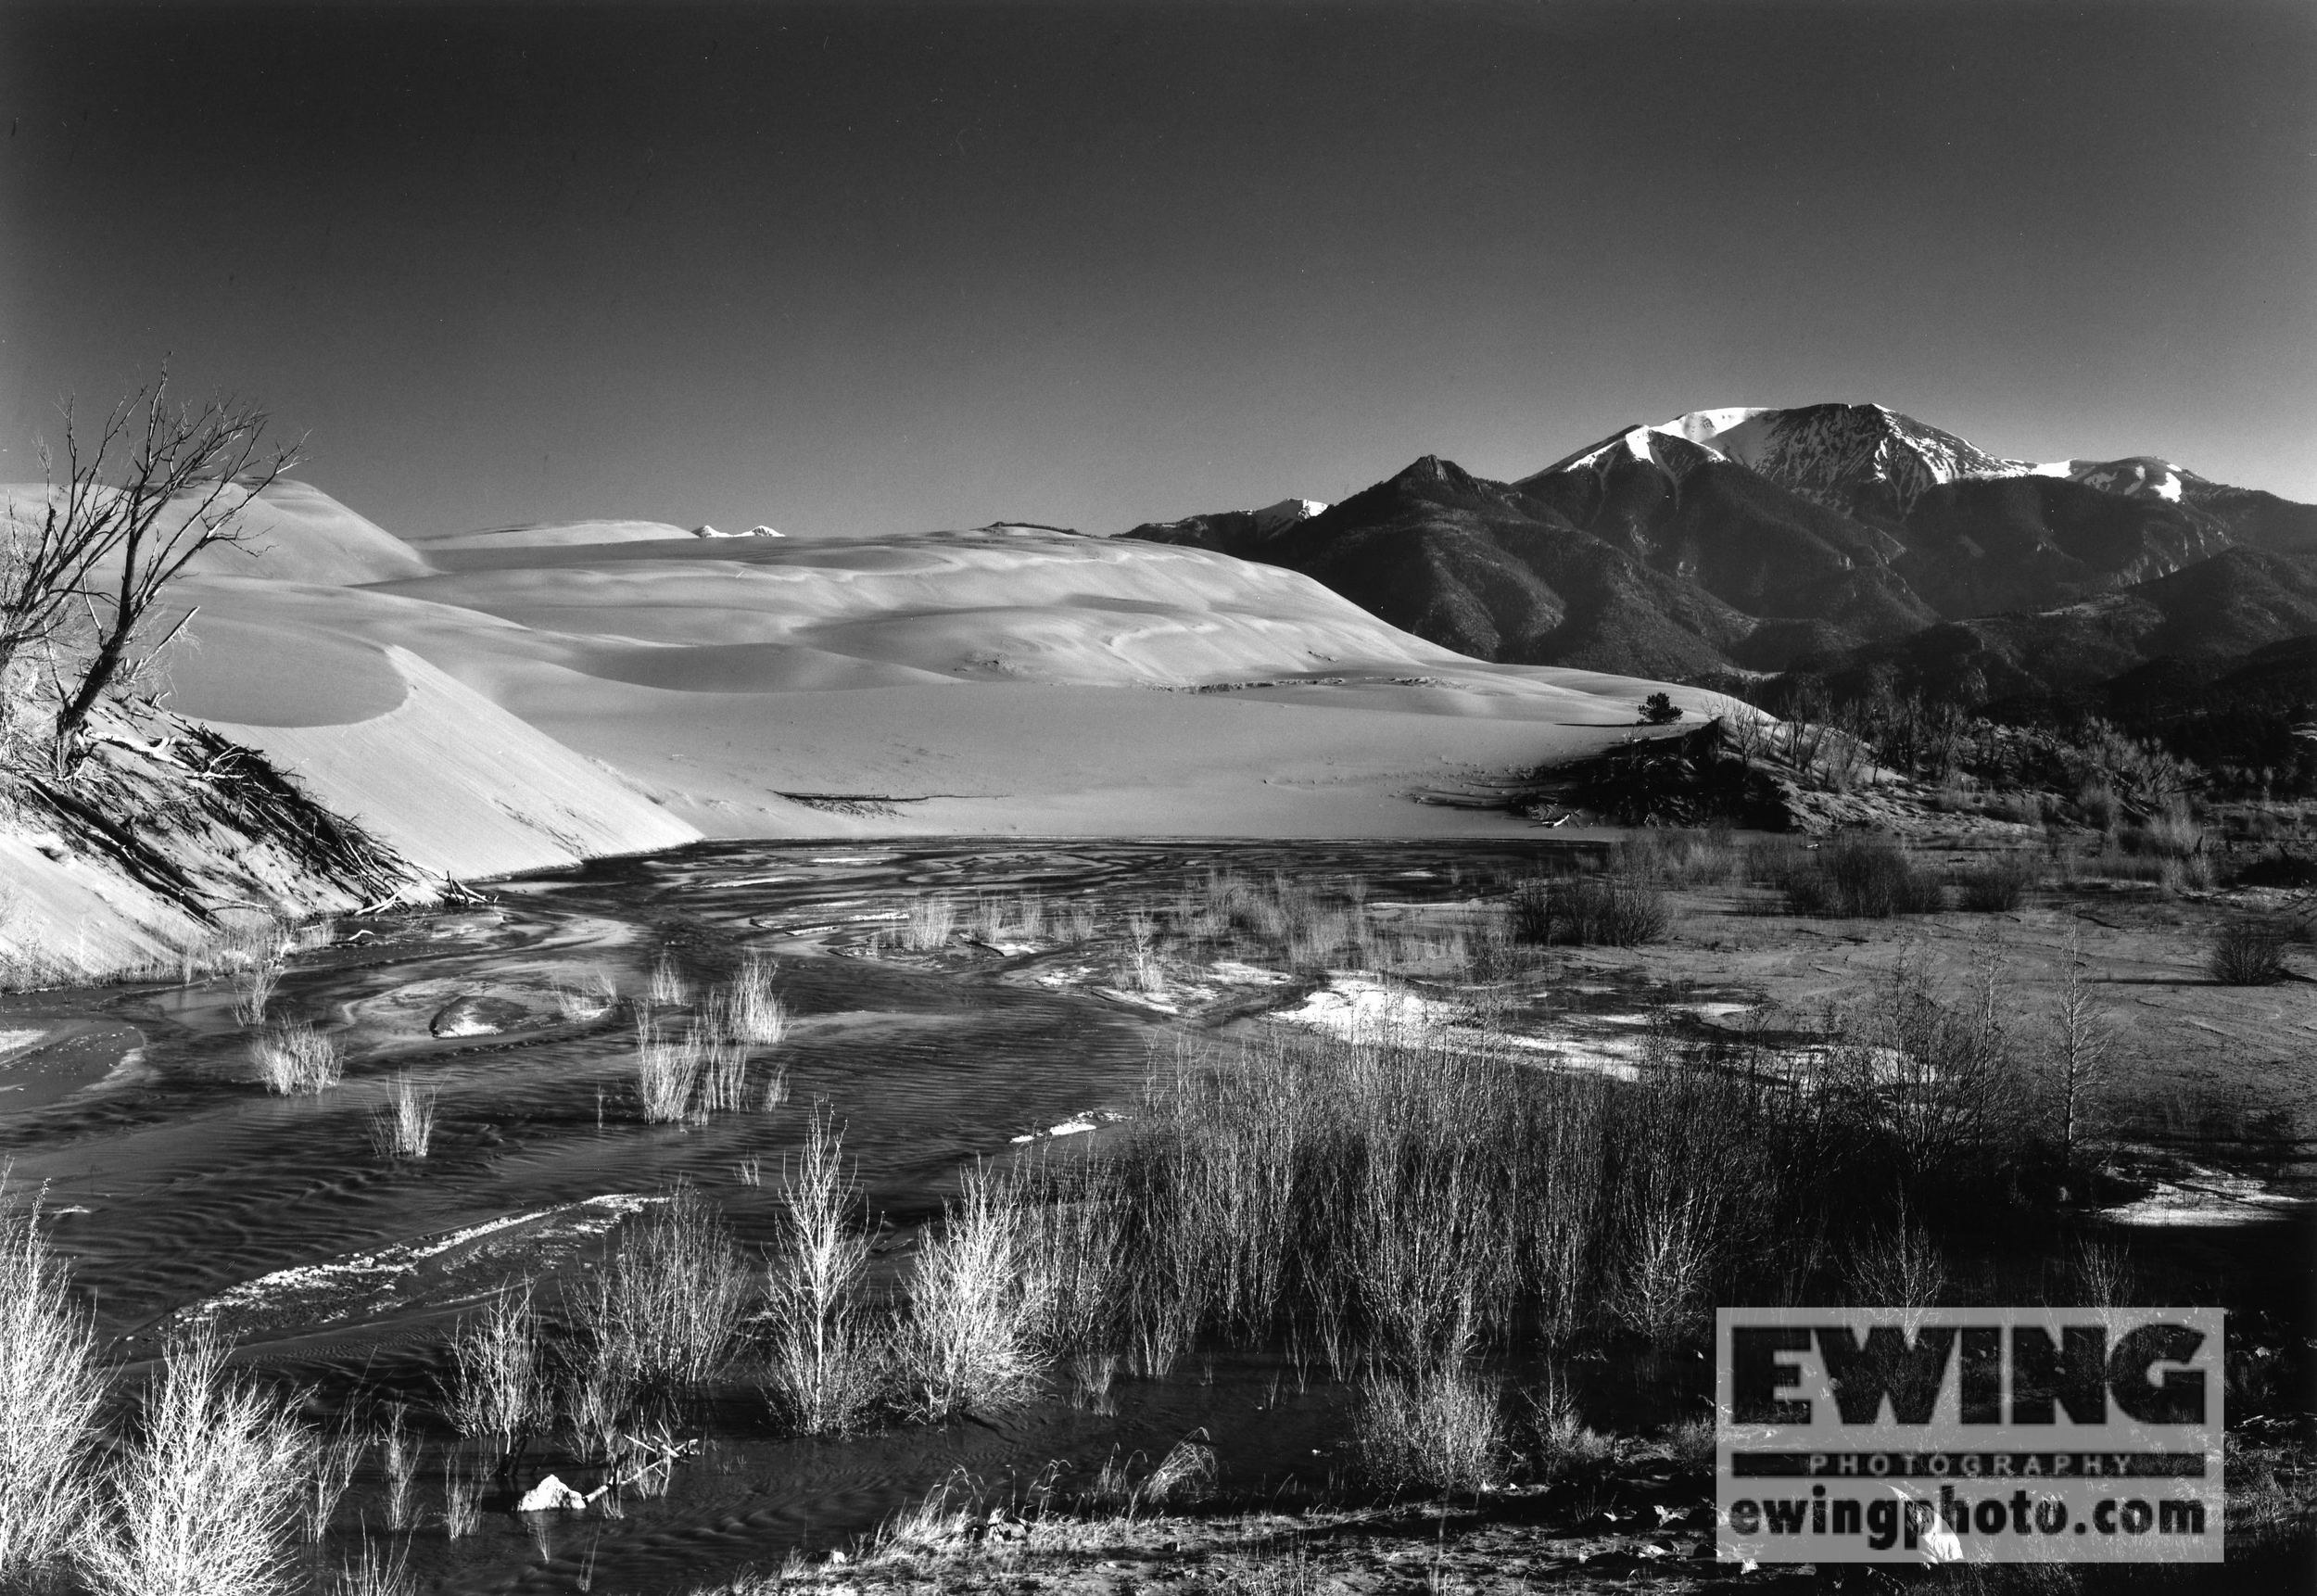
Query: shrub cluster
{"x": 1618, "y": 911}
{"x": 2249, "y": 951}
{"x": 1997, "y": 886}
{"x": 1860, "y": 877}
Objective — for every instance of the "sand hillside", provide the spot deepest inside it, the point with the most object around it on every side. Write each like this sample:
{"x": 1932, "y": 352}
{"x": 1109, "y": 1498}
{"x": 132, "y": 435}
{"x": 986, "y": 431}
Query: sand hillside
{"x": 609, "y": 685}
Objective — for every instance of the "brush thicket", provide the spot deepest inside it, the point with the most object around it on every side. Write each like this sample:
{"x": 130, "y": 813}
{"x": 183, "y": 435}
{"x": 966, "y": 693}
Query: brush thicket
{"x": 204, "y": 1497}
{"x": 667, "y": 1304}
{"x": 497, "y": 1385}
{"x": 51, "y": 1389}
{"x": 968, "y": 1341}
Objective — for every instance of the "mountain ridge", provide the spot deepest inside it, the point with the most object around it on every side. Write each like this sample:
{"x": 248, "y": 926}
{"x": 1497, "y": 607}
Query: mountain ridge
{"x": 1759, "y": 540}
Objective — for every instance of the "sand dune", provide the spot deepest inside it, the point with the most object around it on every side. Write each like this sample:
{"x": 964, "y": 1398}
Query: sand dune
{"x": 1008, "y": 679}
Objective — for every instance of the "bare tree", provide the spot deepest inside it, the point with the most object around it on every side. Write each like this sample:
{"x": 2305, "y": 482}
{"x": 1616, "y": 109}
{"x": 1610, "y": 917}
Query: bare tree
{"x": 2078, "y": 1048}
{"x": 158, "y": 483}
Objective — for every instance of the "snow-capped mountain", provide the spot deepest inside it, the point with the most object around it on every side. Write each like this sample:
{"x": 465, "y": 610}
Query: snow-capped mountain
{"x": 2143, "y": 477}
{"x": 1273, "y": 519}
{"x": 1781, "y": 538}
{"x": 1844, "y": 456}
{"x": 1235, "y": 526}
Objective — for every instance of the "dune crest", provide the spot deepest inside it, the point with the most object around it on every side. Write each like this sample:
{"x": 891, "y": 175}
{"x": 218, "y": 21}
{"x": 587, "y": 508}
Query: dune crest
{"x": 1014, "y": 678}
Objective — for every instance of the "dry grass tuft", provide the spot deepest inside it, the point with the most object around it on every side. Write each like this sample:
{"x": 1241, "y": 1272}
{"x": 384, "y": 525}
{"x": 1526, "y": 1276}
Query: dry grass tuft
{"x": 588, "y": 1000}
{"x": 1442, "y": 1428}
{"x": 933, "y": 916}
{"x": 376, "y": 1573}
{"x": 669, "y": 989}
{"x": 748, "y": 1009}
{"x": 666, "y": 1071}
{"x": 293, "y": 1058}
{"x": 403, "y": 1127}
{"x": 1186, "y": 1474}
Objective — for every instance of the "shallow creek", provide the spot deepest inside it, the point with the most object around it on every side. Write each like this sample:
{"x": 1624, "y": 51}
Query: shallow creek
{"x": 182, "y": 1190}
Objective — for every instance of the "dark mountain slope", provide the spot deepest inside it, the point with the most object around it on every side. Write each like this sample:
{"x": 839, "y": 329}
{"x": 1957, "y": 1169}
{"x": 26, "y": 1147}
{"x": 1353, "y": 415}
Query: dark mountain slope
{"x": 2222, "y": 609}
{"x": 1978, "y": 546}
{"x": 1741, "y": 538}
{"x": 2255, "y": 519}
{"x": 1487, "y": 570}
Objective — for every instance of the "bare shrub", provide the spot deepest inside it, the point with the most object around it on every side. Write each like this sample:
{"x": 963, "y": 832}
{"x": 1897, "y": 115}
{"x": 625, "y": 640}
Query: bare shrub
{"x": 820, "y": 1368}
{"x": 335, "y": 1459}
{"x": 403, "y": 1127}
{"x": 293, "y": 1058}
{"x": 1071, "y": 1257}
{"x": 667, "y": 1302}
{"x": 51, "y": 1389}
{"x": 496, "y": 1387}
{"x": 666, "y": 1071}
{"x": 933, "y": 916}
{"x": 203, "y": 1498}
{"x": 1561, "y": 1439}
{"x": 1898, "y": 1266}
{"x": 1923, "y": 1077}
{"x": 1442, "y": 1428}
{"x": 2247, "y": 951}
{"x": 1137, "y": 968}
{"x": 461, "y": 1499}
{"x": 2078, "y": 1042}
{"x": 596, "y": 1397}
{"x": 1672, "y": 1235}
{"x": 2102, "y": 1274}
{"x": 1396, "y": 1201}
{"x": 968, "y": 1337}
{"x": 1997, "y": 886}
{"x": 398, "y": 1455}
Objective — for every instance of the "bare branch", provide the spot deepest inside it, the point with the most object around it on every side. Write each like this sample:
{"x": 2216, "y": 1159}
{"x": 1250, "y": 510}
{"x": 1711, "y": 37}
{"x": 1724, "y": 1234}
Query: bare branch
{"x": 184, "y": 476}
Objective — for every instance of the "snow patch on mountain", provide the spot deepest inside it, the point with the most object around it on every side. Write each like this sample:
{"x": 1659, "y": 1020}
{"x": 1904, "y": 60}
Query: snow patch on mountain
{"x": 2143, "y": 477}
{"x": 1273, "y": 519}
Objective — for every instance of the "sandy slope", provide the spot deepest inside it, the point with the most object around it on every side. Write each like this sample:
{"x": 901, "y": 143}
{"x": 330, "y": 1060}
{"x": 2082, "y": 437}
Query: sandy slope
{"x": 1006, "y": 679}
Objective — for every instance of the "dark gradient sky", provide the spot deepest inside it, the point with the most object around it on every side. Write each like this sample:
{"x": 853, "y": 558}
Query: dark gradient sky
{"x": 893, "y": 266}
